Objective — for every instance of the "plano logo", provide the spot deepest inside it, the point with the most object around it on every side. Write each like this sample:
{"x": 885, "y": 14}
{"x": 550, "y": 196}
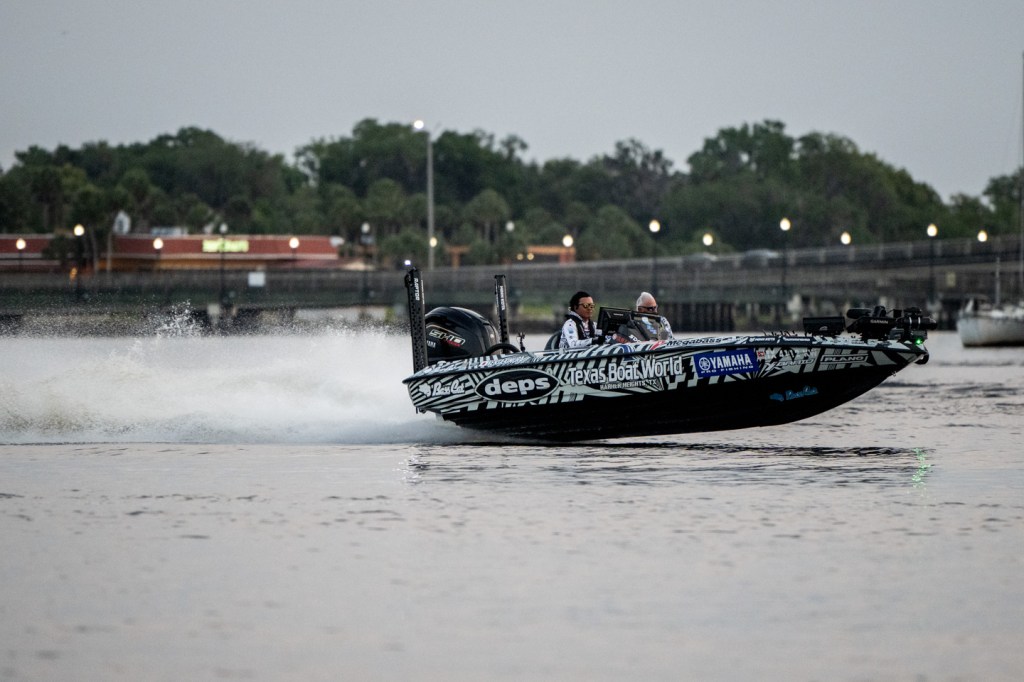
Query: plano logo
{"x": 851, "y": 357}
{"x": 516, "y": 386}
{"x": 725, "y": 362}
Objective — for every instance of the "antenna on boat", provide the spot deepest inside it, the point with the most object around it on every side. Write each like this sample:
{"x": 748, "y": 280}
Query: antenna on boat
{"x": 501, "y": 303}
{"x": 417, "y": 326}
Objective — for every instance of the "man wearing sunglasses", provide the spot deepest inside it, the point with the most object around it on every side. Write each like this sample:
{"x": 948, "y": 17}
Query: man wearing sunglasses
{"x": 579, "y": 329}
{"x": 656, "y": 326}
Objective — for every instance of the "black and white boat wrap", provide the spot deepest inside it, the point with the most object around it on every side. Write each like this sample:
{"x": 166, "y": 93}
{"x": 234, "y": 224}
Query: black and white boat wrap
{"x": 663, "y": 387}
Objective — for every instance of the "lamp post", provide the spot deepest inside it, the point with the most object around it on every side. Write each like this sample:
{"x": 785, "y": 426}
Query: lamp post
{"x": 223, "y": 250}
{"x": 79, "y": 233}
{"x": 846, "y": 239}
{"x": 932, "y": 231}
{"x": 89, "y": 250}
{"x": 567, "y": 242}
{"x": 785, "y": 225}
{"x": 655, "y": 227}
{"x": 508, "y": 246}
{"x": 158, "y": 245}
{"x": 431, "y": 239}
{"x": 708, "y": 239}
{"x": 982, "y": 238}
{"x": 365, "y": 239}
{"x": 20, "y": 245}
{"x": 293, "y": 243}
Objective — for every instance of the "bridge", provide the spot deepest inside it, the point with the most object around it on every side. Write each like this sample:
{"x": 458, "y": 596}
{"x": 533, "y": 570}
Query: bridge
{"x": 700, "y": 292}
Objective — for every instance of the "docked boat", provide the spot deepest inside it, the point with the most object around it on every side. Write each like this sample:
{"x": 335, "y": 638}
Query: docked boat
{"x": 467, "y": 372}
{"x": 981, "y": 323}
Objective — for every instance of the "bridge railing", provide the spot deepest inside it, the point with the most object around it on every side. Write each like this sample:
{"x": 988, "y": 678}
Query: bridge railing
{"x": 909, "y": 272}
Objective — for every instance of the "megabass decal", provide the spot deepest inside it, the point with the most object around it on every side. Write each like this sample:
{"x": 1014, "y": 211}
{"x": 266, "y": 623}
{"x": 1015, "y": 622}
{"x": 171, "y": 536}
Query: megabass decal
{"x": 518, "y": 385}
{"x": 725, "y": 362}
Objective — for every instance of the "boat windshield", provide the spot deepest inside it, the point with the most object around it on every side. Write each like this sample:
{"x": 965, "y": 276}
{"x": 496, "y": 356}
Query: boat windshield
{"x": 633, "y": 325}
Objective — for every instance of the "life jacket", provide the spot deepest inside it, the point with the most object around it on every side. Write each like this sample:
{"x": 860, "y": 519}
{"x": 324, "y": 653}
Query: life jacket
{"x": 588, "y": 332}
{"x": 585, "y": 333}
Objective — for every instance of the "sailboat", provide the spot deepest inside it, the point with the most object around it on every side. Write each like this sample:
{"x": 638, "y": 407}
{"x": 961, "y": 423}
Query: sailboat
{"x": 984, "y": 323}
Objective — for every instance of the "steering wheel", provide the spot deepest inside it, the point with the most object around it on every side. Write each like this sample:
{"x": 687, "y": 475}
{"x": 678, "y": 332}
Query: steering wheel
{"x": 507, "y": 347}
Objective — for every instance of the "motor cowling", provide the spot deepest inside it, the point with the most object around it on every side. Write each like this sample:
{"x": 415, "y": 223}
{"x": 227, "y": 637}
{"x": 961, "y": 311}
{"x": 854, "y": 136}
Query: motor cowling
{"x": 457, "y": 333}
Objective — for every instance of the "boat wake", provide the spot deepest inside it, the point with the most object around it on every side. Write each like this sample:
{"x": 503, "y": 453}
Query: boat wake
{"x": 335, "y": 387}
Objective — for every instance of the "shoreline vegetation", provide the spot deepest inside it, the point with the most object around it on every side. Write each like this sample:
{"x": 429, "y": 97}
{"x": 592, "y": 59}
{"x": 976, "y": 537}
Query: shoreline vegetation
{"x": 369, "y": 189}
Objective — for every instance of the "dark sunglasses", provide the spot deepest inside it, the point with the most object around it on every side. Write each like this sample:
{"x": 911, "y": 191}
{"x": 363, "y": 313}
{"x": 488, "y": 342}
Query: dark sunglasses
{"x": 588, "y": 306}
{"x": 648, "y": 308}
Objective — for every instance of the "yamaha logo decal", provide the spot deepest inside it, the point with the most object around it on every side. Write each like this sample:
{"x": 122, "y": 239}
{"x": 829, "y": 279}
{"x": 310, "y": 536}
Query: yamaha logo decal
{"x": 517, "y": 386}
{"x": 725, "y": 362}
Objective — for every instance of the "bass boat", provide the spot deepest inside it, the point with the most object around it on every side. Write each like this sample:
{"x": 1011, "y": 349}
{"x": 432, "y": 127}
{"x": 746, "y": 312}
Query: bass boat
{"x": 467, "y": 372}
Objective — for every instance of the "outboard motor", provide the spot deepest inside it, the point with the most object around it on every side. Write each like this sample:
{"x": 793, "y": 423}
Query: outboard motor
{"x": 457, "y": 333}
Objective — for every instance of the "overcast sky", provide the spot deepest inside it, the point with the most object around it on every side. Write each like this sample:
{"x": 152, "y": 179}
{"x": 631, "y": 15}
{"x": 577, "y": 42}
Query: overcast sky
{"x": 930, "y": 86}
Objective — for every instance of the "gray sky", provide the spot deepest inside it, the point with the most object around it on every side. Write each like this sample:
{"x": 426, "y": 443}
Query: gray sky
{"x": 932, "y": 87}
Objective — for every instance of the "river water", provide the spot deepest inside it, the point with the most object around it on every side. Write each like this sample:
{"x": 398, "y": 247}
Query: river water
{"x": 271, "y": 507}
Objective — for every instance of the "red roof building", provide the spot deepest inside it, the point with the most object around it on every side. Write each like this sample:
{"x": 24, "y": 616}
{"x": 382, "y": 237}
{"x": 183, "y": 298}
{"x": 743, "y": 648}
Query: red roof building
{"x": 24, "y": 252}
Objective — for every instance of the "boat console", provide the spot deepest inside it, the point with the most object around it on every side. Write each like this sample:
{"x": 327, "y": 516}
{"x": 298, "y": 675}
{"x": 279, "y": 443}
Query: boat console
{"x": 910, "y": 324}
{"x": 631, "y": 325}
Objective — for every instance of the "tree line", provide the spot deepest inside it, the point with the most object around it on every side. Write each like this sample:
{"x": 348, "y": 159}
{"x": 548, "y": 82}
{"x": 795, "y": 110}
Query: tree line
{"x": 489, "y": 200}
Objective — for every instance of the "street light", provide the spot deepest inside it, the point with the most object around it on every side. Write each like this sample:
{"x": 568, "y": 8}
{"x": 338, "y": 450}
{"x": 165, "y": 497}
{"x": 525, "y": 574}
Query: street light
{"x": 785, "y": 225}
{"x": 508, "y": 245}
{"x": 20, "y": 245}
{"x": 708, "y": 239}
{"x": 846, "y": 239}
{"x": 293, "y": 243}
{"x": 365, "y": 239}
{"x": 655, "y": 227}
{"x": 932, "y": 231}
{"x": 223, "y": 250}
{"x": 158, "y": 245}
{"x": 982, "y": 236}
{"x": 79, "y": 232}
{"x": 431, "y": 240}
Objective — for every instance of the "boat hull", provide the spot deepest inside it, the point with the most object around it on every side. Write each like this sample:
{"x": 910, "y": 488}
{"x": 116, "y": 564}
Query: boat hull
{"x": 680, "y": 386}
{"x": 992, "y": 328}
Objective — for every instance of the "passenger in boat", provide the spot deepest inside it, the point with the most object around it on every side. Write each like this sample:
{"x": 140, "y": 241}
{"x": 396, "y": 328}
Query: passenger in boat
{"x": 579, "y": 329}
{"x": 656, "y": 326}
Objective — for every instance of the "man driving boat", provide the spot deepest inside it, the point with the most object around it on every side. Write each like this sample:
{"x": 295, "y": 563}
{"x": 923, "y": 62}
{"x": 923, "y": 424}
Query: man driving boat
{"x": 578, "y": 329}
